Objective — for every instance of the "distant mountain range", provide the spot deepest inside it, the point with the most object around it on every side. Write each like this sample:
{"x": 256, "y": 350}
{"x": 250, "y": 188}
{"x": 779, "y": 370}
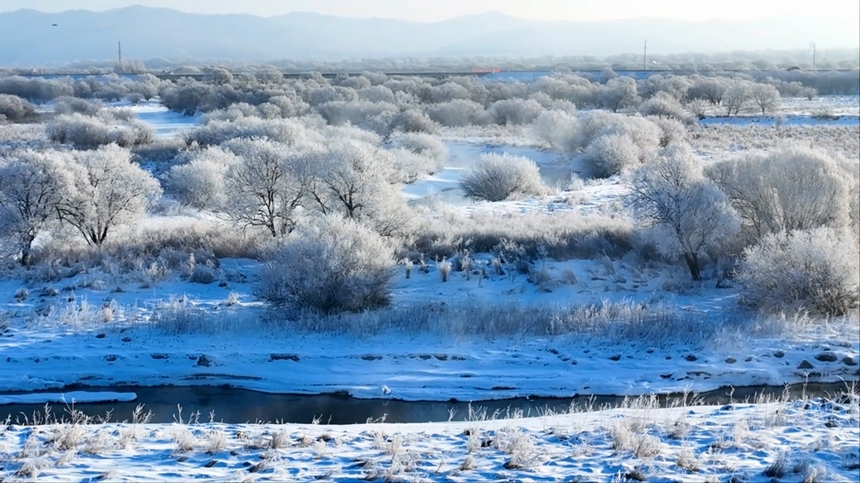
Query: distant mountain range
{"x": 29, "y": 37}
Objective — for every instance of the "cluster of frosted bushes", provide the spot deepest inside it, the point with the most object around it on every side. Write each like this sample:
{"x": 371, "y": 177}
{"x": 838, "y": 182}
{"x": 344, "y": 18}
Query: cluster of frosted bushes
{"x": 91, "y": 192}
{"x": 87, "y": 132}
{"x": 611, "y": 143}
{"x": 790, "y": 217}
{"x": 109, "y": 87}
{"x": 14, "y": 108}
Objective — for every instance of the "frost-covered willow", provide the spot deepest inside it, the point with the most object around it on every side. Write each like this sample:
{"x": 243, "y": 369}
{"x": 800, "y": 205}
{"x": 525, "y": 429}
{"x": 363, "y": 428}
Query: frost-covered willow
{"x": 686, "y": 213}
{"x": 792, "y": 188}
{"x": 32, "y": 185}
{"x": 108, "y": 190}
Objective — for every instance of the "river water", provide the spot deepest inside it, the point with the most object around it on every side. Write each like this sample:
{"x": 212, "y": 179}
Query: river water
{"x": 237, "y": 406}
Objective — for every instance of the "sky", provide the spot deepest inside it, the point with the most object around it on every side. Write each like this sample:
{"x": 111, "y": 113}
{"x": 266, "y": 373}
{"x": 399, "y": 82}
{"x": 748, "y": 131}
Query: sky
{"x": 434, "y": 10}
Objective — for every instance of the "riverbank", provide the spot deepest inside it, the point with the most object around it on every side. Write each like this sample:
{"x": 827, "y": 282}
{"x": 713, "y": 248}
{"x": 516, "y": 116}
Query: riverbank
{"x": 811, "y": 440}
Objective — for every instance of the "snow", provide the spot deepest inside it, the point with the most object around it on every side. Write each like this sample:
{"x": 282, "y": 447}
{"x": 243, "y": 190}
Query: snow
{"x": 745, "y": 442}
{"x": 77, "y": 344}
{"x": 792, "y": 120}
{"x": 165, "y": 122}
{"x": 72, "y": 397}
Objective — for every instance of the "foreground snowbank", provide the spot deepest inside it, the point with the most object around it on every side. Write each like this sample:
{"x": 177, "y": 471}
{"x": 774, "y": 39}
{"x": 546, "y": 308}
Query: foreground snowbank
{"x": 792, "y": 441}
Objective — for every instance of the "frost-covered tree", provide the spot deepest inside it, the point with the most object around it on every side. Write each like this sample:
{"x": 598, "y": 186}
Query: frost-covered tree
{"x": 32, "y": 186}
{"x": 328, "y": 266}
{"x": 349, "y": 176}
{"x": 685, "y": 211}
{"x": 765, "y": 97}
{"x": 816, "y": 270}
{"x": 199, "y": 182}
{"x": 710, "y": 89}
{"x": 618, "y": 93}
{"x": 793, "y": 188}
{"x": 266, "y": 187}
{"x": 736, "y": 97}
{"x": 108, "y": 191}
{"x": 558, "y": 128}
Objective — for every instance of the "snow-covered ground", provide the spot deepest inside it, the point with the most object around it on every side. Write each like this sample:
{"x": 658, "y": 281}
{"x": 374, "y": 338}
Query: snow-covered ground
{"x": 791, "y": 120}
{"x": 838, "y": 105}
{"x": 165, "y": 122}
{"x": 99, "y": 330}
{"x": 814, "y": 440}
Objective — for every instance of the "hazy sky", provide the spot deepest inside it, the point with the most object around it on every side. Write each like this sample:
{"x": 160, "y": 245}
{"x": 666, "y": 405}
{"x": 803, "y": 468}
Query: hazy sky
{"x": 431, "y": 10}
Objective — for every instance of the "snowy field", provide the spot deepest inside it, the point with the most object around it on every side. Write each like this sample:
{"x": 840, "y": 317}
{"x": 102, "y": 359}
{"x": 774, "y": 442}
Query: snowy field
{"x": 807, "y": 440}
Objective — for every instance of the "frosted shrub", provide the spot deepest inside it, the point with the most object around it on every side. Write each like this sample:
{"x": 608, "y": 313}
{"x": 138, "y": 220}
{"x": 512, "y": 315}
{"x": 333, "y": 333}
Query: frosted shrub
{"x": 286, "y": 131}
{"x": 644, "y": 133}
{"x": 592, "y": 124}
{"x": 14, "y": 108}
{"x": 423, "y": 144}
{"x": 499, "y": 177}
{"x": 200, "y": 182}
{"x": 74, "y": 105}
{"x": 618, "y": 93}
{"x": 817, "y": 270}
{"x": 667, "y": 106}
{"x": 671, "y": 130}
{"x": 355, "y": 113}
{"x": 409, "y": 166}
{"x": 557, "y": 128}
{"x": 611, "y": 154}
{"x": 793, "y": 188}
{"x": 89, "y": 132}
{"x": 457, "y": 113}
{"x": 413, "y": 121}
{"x": 332, "y": 265}
{"x": 514, "y": 111}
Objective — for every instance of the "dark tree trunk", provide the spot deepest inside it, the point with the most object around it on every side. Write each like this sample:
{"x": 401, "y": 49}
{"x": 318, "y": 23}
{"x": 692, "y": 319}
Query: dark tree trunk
{"x": 693, "y": 264}
{"x": 26, "y": 250}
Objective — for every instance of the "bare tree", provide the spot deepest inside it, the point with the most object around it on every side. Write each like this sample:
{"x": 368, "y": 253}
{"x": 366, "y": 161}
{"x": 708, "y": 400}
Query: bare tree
{"x": 765, "y": 97}
{"x": 264, "y": 188}
{"x": 736, "y": 97}
{"x": 685, "y": 211}
{"x": 32, "y": 185}
{"x": 348, "y": 177}
{"x": 108, "y": 190}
